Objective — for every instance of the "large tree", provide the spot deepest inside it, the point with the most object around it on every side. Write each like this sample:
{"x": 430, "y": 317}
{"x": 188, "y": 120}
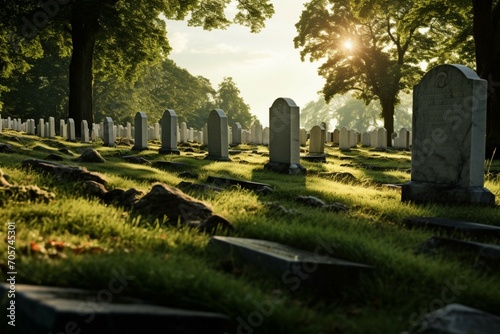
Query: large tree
{"x": 486, "y": 30}
{"x": 371, "y": 47}
{"x": 118, "y": 36}
{"x": 228, "y": 99}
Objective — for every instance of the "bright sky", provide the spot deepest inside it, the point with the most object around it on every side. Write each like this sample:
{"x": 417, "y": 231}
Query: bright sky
{"x": 264, "y": 66}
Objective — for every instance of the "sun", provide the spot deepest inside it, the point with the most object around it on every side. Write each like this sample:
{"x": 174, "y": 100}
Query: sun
{"x": 348, "y": 45}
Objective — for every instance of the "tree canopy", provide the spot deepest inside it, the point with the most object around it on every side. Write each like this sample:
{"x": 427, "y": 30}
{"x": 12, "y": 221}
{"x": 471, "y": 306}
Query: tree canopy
{"x": 115, "y": 37}
{"x": 374, "y": 48}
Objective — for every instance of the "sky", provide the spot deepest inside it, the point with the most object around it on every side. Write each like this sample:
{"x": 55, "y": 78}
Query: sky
{"x": 264, "y": 66}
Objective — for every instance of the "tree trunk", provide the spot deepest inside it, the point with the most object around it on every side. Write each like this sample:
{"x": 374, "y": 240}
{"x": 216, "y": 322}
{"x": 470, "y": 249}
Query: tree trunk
{"x": 388, "y": 115}
{"x": 83, "y": 34}
{"x": 486, "y": 28}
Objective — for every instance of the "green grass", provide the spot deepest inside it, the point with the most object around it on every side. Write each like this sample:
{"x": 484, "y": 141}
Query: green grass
{"x": 75, "y": 241}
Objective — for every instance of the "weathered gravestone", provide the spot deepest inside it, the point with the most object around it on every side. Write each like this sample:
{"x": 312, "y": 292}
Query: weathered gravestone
{"x": 236, "y": 129}
{"x": 265, "y": 136}
{"x": 336, "y": 137}
{"x": 108, "y": 136}
{"x": 140, "y": 132}
{"x": 303, "y": 137}
{"x": 71, "y": 132}
{"x": 316, "y": 145}
{"x": 381, "y": 138}
{"x": 365, "y": 139}
{"x": 40, "y": 129}
{"x": 169, "y": 133}
{"x": 218, "y": 146}
{"x": 344, "y": 139}
{"x": 284, "y": 148}
{"x": 184, "y": 133}
{"x": 449, "y": 120}
{"x": 52, "y": 127}
{"x": 85, "y": 132}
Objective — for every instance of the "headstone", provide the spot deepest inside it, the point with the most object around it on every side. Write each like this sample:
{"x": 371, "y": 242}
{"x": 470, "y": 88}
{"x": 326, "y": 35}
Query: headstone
{"x": 448, "y": 152}
{"x": 284, "y": 148}
{"x": 353, "y": 138}
{"x": 303, "y": 137}
{"x": 205, "y": 134}
{"x": 265, "y": 136}
{"x": 63, "y": 130}
{"x": 236, "y": 128}
{"x": 52, "y": 127}
{"x": 71, "y": 132}
{"x": 85, "y": 132}
{"x": 404, "y": 139}
{"x": 381, "y": 138}
{"x": 218, "y": 146}
{"x": 184, "y": 133}
{"x": 285, "y": 261}
{"x": 40, "y": 128}
{"x": 140, "y": 132}
{"x": 344, "y": 139}
{"x": 316, "y": 143}
{"x": 108, "y": 132}
{"x": 454, "y": 227}
{"x": 129, "y": 131}
{"x": 41, "y": 309}
{"x": 190, "y": 136}
{"x": 374, "y": 138}
{"x": 169, "y": 133}
{"x": 46, "y": 131}
{"x": 336, "y": 137}
{"x": 95, "y": 131}
{"x": 365, "y": 139}
{"x": 31, "y": 127}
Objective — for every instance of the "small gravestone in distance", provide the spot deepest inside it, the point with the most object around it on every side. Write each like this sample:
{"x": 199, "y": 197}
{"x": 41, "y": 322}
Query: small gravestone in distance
{"x": 40, "y": 128}
{"x": 236, "y": 129}
{"x": 303, "y": 137}
{"x": 448, "y": 152}
{"x": 169, "y": 133}
{"x": 108, "y": 136}
{"x": 85, "y": 132}
{"x": 365, "y": 139}
{"x": 382, "y": 138}
{"x": 71, "y": 130}
{"x": 336, "y": 137}
{"x": 284, "y": 146}
{"x": 218, "y": 145}
{"x": 316, "y": 145}
{"x": 344, "y": 139}
{"x": 265, "y": 136}
{"x": 140, "y": 132}
{"x": 52, "y": 127}
{"x": 63, "y": 129}
{"x": 184, "y": 133}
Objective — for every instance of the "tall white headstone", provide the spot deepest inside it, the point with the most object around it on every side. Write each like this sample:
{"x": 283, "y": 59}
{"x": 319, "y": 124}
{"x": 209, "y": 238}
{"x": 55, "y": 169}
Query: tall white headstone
{"x": 218, "y": 145}
{"x": 284, "y": 145}
{"x": 71, "y": 132}
{"x": 169, "y": 133}
{"x": 108, "y": 136}
{"x": 344, "y": 139}
{"x": 448, "y": 153}
{"x": 85, "y": 132}
{"x": 140, "y": 132}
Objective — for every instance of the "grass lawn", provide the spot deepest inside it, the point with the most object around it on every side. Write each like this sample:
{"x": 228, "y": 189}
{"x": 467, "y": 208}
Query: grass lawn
{"x": 75, "y": 241}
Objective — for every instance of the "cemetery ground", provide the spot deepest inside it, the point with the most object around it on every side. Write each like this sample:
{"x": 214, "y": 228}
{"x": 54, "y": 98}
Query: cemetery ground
{"x": 75, "y": 240}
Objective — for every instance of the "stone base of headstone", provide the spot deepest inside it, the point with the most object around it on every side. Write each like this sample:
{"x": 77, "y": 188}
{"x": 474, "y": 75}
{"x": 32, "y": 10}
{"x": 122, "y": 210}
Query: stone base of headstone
{"x": 169, "y": 151}
{"x": 314, "y": 158}
{"x": 293, "y": 169}
{"x": 211, "y": 157}
{"x": 139, "y": 148}
{"x": 423, "y": 192}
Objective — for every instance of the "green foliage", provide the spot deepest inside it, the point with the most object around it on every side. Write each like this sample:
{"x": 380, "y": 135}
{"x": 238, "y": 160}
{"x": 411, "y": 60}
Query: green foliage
{"x": 228, "y": 99}
{"x": 373, "y": 48}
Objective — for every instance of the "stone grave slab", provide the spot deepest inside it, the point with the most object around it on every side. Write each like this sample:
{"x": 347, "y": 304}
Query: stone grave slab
{"x": 457, "y": 319}
{"x": 448, "y": 144}
{"x": 256, "y": 186}
{"x": 42, "y": 309}
{"x": 451, "y": 226}
{"x": 487, "y": 253}
{"x": 295, "y": 267}
{"x": 169, "y": 133}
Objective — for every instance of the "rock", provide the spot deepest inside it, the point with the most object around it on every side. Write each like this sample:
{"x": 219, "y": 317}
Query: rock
{"x": 336, "y": 207}
{"x": 164, "y": 200}
{"x": 6, "y": 148}
{"x": 124, "y": 142}
{"x": 91, "y": 155}
{"x": 314, "y": 158}
{"x": 54, "y": 157}
{"x": 123, "y": 198}
{"x": 276, "y": 209}
{"x": 457, "y": 319}
{"x": 189, "y": 149}
{"x": 310, "y": 201}
{"x": 95, "y": 189}
{"x": 134, "y": 159}
{"x": 73, "y": 173}
{"x": 214, "y": 225}
{"x": 284, "y": 168}
{"x": 264, "y": 190}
